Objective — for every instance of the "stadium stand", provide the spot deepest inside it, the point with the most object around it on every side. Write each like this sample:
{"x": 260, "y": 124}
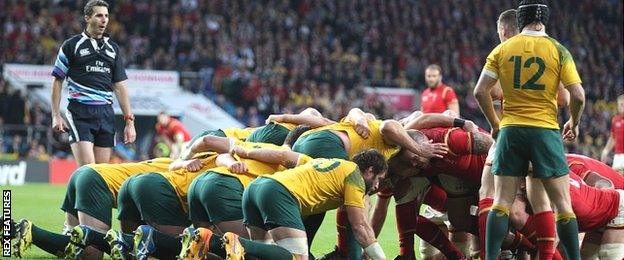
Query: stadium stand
{"x": 256, "y": 58}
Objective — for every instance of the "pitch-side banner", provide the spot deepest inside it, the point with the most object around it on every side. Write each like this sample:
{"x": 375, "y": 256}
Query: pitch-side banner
{"x": 16, "y": 173}
{"x": 400, "y": 99}
{"x": 150, "y": 92}
{"x": 40, "y": 74}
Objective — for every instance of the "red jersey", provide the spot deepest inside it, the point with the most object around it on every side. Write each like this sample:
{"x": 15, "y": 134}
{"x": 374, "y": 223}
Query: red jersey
{"x": 174, "y": 127}
{"x": 459, "y": 162}
{"x": 617, "y": 130}
{"x": 437, "y": 99}
{"x": 582, "y": 165}
{"x": 593, "y": 207}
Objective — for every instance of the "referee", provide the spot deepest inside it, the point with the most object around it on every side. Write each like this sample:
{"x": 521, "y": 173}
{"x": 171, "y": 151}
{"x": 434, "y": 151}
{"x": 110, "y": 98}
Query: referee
{"x": 93, "y": 67}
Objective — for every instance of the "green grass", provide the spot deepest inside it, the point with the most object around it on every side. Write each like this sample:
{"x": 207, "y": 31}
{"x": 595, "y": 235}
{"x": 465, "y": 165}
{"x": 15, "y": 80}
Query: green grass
{"x": 41, "y": 204}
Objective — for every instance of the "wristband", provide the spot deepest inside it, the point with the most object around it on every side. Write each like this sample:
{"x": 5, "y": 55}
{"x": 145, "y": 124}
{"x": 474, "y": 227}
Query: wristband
{"x": 129, "y": 117}
{"x": 374, "y": 251}
{"x": 458, "y": 122}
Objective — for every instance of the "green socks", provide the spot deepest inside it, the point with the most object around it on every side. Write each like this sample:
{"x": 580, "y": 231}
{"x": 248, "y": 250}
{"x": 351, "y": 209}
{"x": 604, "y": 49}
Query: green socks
{"x": 264, "y": 251}
{"x": 167, "y": 247}
{"x": 567, "y": 229}
{"x": 215, "y": 246}
{"x": 96, "y": 239}
{"x": 52, "y": 243}
{"x": 496, "y": 230}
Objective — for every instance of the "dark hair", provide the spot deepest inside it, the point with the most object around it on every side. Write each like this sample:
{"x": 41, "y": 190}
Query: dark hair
{"x": 509, "y": 19}
{"x": 531, "y": 11}
{"x": 371, "y": 158}
{"x": 88, "y": 9}
{"x": 294, "y": 134}
{"x": 435, "y": 67}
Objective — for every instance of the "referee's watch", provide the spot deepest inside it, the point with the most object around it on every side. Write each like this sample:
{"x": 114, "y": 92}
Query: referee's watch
{"x": 129, "y": 117}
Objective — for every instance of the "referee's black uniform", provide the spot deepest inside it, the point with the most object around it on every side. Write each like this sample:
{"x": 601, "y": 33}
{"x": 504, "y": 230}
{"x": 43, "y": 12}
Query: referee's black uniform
{"x": 91, "y": 66}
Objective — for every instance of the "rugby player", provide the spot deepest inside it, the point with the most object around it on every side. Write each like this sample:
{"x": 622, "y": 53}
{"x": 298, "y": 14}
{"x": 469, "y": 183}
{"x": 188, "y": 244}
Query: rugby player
{"x": 530, "y": 66}
{"x": 91, "y": 195}
{"x": 464, "y": 161}
{"x": 215, "y": 197}
{"x": 277, "y": 203}
{"x": 278, "y": 126}
{"x": 356, "y": 132}
{"x": 600, "y": 213}
{"x": 616, "y": 139}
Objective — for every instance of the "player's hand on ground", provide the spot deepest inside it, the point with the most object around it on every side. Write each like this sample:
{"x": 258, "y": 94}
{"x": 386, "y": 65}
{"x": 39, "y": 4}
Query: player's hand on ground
{"x": 470, "y": 126}
{"x": 129, "y": 133}
{"x": 570, "y": 131}
{"x": 238, "y": 168}
{"x": 431, "y": 149}
{"x": 274, "y": 119}
{"x": 58, "y": 124}
{"x": 192, "y": 165}
{"x": 362, "y": 129}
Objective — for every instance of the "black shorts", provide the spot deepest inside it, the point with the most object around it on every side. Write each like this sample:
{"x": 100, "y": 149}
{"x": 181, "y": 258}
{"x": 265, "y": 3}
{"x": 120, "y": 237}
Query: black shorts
{"x": 91, "y": 123}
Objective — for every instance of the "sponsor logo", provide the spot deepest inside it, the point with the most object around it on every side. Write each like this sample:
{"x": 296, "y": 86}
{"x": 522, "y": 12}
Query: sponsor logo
{"x": 99, "y": 67}
{"x": 13, "y": 174}
{"x": 84, "y": 52}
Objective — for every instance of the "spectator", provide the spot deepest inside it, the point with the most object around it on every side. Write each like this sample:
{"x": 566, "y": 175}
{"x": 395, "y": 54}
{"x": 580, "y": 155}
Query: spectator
{"x": 438, "y": 97}
{"x": 339, "y": 46}
{"x": 172, "y": 132}
{"x": 17, "y": 146}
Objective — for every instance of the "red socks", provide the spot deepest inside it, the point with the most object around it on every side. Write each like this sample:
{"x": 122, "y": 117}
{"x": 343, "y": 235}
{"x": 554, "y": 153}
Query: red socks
{"x": 484, "y": 208}
{"x": 544, "y": 224}
{"x": 406, "y": 215}
{"x": 342, "y": 220}
{"x": 431, "y": 233}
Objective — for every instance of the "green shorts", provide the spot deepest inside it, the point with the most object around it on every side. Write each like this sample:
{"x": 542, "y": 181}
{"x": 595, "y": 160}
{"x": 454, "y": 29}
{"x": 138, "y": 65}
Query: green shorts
{"x": 214, "y": 197}
{"x": 321, "y": 144}
{"x": 271, "y": 133}
{"x": 267, "y": 204}
{"x": 217, "y": 132}
{"x": 87, "y": 192}
{"x": 516, "y": 146}
{"x": 150, "y": 198}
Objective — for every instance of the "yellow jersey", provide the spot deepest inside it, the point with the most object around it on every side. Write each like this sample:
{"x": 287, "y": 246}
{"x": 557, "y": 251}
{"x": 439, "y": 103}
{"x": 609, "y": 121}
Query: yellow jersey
{"x": 529, "y": 67}
{"x": 374, "y": 141}
{"x": 257, "y": 168}
{"x": 324, "y": 184}
{"x": 115, "y": 174}
{"x": 181, "y": 179}
{"x": 289, "y": 126}
{"x": 238, "y": 133}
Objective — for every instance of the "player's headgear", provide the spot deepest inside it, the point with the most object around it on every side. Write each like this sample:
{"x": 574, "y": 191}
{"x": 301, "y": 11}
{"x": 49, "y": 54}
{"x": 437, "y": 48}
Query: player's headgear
{"x": 530, "y": 11}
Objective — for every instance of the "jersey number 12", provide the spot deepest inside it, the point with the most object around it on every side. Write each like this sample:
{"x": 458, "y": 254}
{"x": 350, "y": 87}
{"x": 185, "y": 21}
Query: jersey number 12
{"x": 531, "y": 83}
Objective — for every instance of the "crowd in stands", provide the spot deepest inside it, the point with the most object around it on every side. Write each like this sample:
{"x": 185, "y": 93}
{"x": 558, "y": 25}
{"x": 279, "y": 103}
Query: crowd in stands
{"x": 256, "y": 58}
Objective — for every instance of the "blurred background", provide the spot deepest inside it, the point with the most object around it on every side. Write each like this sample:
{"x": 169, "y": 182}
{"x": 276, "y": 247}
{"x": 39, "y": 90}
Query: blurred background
{"x": 218, "y": 63}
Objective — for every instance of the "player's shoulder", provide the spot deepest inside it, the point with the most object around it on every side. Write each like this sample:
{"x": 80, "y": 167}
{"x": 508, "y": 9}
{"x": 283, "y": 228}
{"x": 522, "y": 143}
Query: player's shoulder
{"x": 71, "y": 41}
{"x": 562, "y": 51}
{"x": 446, "y": 88}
